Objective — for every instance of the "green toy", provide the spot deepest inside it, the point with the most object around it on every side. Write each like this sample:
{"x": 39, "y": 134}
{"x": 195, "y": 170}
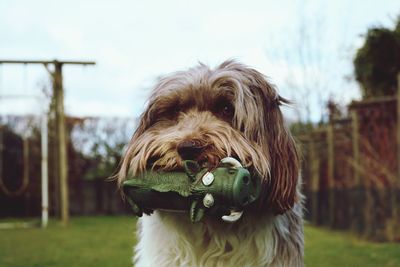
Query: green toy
{"x": 223, "y": 192}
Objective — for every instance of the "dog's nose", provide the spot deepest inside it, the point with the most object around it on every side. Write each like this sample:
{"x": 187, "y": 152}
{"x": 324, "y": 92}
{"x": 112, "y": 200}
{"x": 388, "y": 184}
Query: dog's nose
{"x": 189, "y": 149}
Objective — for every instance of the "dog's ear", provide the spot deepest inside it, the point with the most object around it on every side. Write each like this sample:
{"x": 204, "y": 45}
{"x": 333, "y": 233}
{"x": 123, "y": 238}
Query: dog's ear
{"x": 281, "y": 185}
{"x": 144, "y": 120}
{"x": 143, "y": 123}
{"x": 284, "y": 172}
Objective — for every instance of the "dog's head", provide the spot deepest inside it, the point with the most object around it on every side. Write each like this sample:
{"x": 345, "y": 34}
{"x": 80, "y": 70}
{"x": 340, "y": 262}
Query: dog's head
{"x": 206, "y": 115}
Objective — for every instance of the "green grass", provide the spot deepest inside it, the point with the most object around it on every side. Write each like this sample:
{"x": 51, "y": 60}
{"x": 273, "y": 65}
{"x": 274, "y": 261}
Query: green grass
{"x": 108, "y": 241}
{"x": 328, "y": 248}
{"x": 87, "y": 241}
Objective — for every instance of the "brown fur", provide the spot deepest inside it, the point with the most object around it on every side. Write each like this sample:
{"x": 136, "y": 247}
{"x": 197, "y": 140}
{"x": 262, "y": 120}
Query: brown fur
{"x": 229, "y": 111}
{"x": 191, "y": 106}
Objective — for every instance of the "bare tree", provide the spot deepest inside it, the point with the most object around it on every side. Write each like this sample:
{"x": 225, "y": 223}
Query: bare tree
{"x": 309, "y": 56}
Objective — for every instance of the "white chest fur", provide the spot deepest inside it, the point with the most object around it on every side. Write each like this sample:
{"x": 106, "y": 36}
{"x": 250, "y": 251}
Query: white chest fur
{"x": 167, "y": 239}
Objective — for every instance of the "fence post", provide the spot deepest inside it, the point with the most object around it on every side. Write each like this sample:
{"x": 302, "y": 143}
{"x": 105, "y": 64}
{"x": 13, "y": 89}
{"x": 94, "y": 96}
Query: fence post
{"x": 331, "y": 173}
{"x": 314, "y": 161}
{"x": 356, "y": 147}
{"x": 356, "y": 203}
{"x": 395, "y": 186}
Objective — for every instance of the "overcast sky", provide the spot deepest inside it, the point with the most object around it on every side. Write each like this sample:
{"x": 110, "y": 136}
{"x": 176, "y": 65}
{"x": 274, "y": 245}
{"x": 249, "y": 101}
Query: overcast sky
{"x": 134, "y": 42}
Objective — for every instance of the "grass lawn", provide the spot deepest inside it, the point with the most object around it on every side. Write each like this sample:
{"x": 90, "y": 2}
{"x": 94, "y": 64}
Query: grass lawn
{"x": 86, "y": 242}
{"x": 326, "y": 248}
{"x": 108, "y": 241}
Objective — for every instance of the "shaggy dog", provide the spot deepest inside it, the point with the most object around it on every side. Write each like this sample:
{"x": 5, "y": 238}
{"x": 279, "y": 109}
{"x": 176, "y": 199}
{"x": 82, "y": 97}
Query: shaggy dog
{"x": 205, "y": 115}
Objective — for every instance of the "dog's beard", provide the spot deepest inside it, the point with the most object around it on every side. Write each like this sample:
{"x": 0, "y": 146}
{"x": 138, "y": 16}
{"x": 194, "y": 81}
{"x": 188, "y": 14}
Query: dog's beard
{"x": 157, "y": 147}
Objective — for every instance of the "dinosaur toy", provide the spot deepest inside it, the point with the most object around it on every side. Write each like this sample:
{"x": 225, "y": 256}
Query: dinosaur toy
{"x": 224, "y": 191}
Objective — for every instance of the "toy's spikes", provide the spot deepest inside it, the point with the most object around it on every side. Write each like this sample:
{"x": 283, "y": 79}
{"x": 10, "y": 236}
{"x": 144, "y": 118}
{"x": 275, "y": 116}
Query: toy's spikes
{"x": 232, "y": 161}
{"x": 196, "y": 211}
{"x": 191, "y": 168}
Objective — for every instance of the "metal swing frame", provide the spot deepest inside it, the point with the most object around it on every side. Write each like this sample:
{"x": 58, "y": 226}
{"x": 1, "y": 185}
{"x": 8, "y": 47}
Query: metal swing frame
{"x": 44, "y": 167}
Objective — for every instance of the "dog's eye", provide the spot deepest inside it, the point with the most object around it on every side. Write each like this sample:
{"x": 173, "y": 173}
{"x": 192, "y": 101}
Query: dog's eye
{"x": 174, "y": 112}
{"x": 177, "y": 110}
{"x": 227, "y": 111}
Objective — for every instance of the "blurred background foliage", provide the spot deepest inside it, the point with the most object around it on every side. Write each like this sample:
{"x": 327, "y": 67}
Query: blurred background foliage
{"x": 377, "y": 62}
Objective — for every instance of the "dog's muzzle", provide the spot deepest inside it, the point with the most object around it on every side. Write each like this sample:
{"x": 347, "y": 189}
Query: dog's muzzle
{"x": 224, "y": 192}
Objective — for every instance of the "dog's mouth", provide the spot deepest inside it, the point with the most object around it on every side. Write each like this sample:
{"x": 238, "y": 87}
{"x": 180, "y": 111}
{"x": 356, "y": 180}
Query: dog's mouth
{"x": 151, "y": 162}
{"x": 207, "y": 160}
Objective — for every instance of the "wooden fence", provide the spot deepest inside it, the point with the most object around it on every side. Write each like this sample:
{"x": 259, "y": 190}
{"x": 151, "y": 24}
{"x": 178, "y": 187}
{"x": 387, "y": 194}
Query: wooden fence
{"x": 93, "y": 155}
{"x": 351, "y": 170}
